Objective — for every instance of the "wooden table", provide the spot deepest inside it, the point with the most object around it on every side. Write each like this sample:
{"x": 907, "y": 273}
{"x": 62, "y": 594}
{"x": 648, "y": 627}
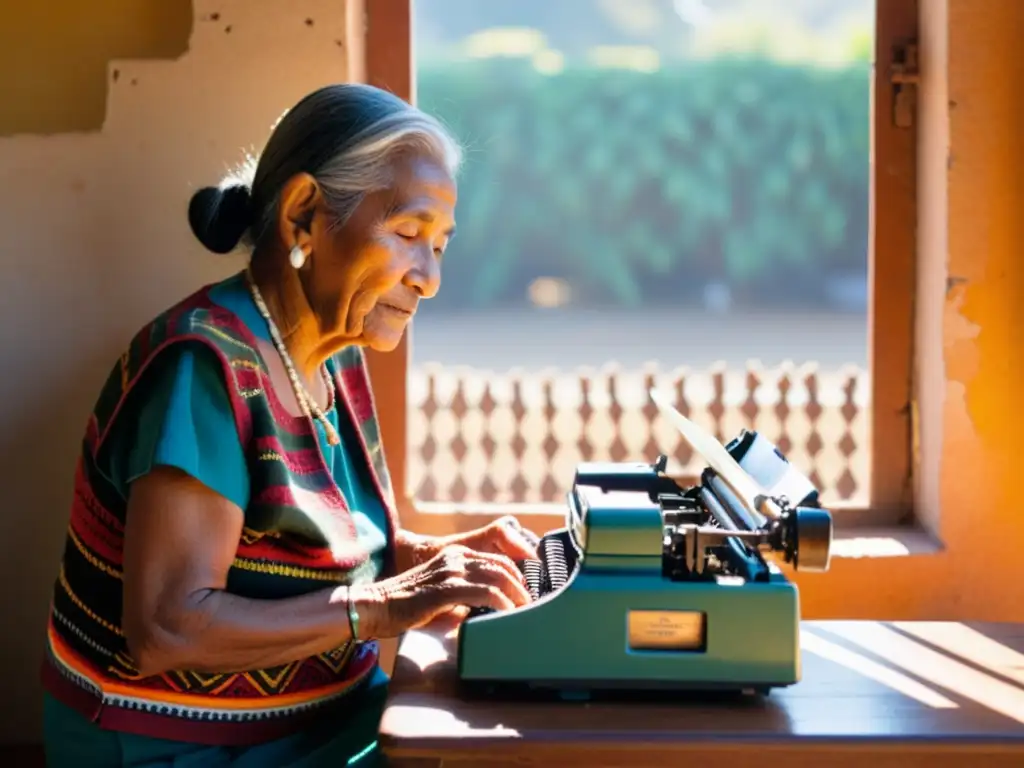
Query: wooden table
{"x": 873, "y": 694}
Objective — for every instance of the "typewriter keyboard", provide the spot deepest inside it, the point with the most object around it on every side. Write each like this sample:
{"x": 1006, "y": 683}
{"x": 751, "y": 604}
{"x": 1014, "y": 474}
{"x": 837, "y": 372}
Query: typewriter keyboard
{"x": 551, "y": 571}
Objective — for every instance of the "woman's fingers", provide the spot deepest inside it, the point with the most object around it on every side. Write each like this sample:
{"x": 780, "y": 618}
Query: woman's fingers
{"x": 482, "y": 596}
{"x": 498, "y": 560}
{"x": 459, "y": 576}
{"x": 459, "y": 557}
{"x": 488, "y": 570}
{"x": 506, "y": 536}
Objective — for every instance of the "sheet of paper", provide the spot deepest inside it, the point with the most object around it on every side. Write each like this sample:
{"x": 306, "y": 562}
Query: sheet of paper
{"x": 717, "y": 457}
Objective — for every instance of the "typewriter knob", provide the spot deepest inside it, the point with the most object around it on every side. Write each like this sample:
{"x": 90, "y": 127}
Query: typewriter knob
{"x": 813, "y": 550}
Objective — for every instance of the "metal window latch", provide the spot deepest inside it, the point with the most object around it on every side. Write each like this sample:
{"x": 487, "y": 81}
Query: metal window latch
{"x": 905, "y": 77}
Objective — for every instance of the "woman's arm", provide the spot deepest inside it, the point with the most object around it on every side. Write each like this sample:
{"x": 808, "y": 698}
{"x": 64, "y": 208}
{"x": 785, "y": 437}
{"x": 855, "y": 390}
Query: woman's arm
{"x": 180, "y": 540}
{"x": 182, "y": 468}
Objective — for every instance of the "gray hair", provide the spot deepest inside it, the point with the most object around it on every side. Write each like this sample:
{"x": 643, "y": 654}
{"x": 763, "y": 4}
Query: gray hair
{"x": 345, "y": 136}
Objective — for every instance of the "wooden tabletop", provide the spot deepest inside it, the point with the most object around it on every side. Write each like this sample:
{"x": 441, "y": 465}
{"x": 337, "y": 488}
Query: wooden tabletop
{"x": 898, "y": 694}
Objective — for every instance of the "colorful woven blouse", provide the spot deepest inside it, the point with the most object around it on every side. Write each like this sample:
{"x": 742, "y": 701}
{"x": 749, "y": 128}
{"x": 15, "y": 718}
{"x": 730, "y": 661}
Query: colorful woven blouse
{"x": 193, "y": 392}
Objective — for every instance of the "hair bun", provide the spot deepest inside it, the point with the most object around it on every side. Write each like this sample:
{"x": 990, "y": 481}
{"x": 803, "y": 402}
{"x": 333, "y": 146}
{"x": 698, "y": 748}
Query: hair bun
{"x": 219, "y": 217}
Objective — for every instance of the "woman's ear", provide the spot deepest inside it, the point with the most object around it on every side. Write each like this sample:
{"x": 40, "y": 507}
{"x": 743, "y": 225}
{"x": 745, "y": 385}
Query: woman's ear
{"x": 300, "y": 198}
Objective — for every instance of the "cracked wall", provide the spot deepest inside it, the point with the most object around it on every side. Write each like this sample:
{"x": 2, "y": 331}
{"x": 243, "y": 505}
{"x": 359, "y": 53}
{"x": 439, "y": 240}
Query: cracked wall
{"x": 982, "y": 332}
{"x": 969, "y": 334}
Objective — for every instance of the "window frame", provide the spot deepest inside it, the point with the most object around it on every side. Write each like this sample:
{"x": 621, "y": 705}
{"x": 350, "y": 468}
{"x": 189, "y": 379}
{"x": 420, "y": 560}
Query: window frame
{"x": 891, "y": 279}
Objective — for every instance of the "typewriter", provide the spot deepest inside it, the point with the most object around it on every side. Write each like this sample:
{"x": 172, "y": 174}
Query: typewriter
{"x": 659, "y": 583}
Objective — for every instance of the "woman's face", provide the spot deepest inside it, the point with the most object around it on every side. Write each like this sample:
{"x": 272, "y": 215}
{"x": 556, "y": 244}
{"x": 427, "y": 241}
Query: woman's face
{"x": 364, "y": 279}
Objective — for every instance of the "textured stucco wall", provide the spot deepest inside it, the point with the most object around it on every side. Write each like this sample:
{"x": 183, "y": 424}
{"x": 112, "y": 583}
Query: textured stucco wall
{"x": 94, "y": 240}
{"x": 970, "y": 332}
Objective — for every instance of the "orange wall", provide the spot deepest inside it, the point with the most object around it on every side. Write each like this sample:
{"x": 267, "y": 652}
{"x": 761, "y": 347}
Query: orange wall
{"x": 970, "y": 332}
{"x": 984, "y": 332}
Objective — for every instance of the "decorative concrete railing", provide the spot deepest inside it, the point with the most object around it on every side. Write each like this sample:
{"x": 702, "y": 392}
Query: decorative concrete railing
{"x": 477, "y": 436}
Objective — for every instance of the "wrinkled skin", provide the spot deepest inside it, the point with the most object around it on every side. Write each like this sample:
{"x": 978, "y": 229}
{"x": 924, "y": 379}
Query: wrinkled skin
{"x": 441, "y": 573}
{"x": 363, "y": 279}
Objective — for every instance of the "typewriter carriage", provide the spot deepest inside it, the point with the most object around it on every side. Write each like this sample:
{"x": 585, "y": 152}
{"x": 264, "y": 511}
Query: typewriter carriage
{"x": 704, "y": 521}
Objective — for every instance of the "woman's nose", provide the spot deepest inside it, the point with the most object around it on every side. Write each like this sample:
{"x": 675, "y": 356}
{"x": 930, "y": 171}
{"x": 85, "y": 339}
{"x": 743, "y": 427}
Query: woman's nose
{"x": 425, "y": 277}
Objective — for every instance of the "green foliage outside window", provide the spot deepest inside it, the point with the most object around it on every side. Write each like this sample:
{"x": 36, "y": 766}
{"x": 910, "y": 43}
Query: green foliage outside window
{"x": 637, "y": 187}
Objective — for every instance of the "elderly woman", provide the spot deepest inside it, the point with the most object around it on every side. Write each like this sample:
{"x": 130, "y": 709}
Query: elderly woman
{"x": 233, "y": 549}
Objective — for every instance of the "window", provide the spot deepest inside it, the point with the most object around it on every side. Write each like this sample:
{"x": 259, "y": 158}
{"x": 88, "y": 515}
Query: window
{"x": 465, "y": 439}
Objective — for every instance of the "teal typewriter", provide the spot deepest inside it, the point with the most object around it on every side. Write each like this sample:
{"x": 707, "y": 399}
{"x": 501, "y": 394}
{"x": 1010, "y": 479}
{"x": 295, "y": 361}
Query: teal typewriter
{"x": 655, "y": 582}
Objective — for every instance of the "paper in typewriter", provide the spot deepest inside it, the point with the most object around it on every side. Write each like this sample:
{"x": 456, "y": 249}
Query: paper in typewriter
{"x": 755, "y": 498}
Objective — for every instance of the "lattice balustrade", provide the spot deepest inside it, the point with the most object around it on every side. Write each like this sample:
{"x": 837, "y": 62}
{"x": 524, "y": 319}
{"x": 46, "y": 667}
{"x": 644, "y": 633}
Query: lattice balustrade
{"x": 477, "y": 436}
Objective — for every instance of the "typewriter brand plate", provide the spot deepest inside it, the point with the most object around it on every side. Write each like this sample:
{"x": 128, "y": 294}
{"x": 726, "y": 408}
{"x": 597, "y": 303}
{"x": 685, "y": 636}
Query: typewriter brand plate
{"x": 667, "y": 630}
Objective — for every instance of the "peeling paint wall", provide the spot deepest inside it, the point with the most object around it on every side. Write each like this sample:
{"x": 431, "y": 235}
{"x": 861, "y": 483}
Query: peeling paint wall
{"x": 94, "y": 240}
{"x": 983, "y": 339}
{"x": 970, "y": 334}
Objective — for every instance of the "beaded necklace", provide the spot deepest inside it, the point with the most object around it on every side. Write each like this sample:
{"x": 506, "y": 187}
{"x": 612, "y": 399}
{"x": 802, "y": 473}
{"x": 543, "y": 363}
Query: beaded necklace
{"x": 306, "y": 402}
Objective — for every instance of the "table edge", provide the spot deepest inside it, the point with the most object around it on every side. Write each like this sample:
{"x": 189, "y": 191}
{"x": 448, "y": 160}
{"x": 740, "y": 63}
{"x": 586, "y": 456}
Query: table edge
{"x": 442, "y": 746}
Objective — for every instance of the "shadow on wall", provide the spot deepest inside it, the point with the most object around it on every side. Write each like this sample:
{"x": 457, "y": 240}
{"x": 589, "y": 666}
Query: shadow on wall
{"x": 61, "y": 82}
{"x": 59, "y": 312}
{"x": 56, "y": 349}
{"x": 34, "y": 499}
{"x": 94, "y": 237}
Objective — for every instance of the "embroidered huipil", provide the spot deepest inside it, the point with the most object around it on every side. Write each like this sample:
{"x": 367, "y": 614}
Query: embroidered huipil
{"x": 298, "y": 536}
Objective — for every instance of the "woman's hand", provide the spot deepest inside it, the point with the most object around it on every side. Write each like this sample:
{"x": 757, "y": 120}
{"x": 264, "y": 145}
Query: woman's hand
{"x": 502, "y": 537}
{"x": 505, "y": 536}
{"x": 456, "y": 576}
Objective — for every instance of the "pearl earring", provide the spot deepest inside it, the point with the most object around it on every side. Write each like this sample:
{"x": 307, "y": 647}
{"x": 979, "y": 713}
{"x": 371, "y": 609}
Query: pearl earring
{"x": 297, "y": 257}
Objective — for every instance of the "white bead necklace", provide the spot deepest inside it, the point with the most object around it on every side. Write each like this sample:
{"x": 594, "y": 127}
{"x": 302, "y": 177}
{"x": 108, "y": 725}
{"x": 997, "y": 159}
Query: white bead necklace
{"x": 306, "y": 402}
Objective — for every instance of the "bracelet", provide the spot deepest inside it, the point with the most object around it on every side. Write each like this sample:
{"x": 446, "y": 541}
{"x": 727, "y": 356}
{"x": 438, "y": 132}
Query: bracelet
{"x": 353, "y": 616}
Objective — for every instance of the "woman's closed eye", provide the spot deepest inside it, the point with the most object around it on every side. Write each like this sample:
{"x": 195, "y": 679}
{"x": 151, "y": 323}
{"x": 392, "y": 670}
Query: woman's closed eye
{"x": 412, "y": 232}
{"x": 408, "y": 230}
